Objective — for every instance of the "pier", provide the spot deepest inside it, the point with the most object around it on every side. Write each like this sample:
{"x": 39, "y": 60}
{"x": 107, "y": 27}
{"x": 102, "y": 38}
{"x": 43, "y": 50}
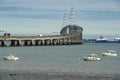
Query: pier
{"x": 41, "y": 40}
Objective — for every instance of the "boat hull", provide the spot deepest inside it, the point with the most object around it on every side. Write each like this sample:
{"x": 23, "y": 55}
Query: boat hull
{"x": 10, "y": 59}
{"x": 91, "y": 59}
{"x": 109, "y": 54}
{"x": 107, "y": 41}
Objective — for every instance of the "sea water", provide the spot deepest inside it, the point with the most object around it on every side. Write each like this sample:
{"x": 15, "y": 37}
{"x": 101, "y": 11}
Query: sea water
{"x": 62, "y": 58}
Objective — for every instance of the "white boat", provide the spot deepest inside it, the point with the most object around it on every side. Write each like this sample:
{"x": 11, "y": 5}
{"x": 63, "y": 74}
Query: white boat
{"x": 10, "y": 58}
{"x": 110, "y": 53}
{"x": 92, "y": 57}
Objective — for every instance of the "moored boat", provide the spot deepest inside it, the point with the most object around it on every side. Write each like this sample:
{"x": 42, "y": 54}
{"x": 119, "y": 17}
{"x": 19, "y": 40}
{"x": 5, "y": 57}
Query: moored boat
{"x": 10, "y": 58}
{"x": 110, "y": 53}
{"x": 92, "y": 57}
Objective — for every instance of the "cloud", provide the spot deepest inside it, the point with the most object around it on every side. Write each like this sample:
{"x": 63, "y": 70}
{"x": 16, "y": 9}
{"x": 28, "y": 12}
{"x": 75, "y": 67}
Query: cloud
{"x": 99, "y": 15}
{"x": 112, "y": 5}
{"x": 101, "y": 27}
{"x": 90, "y": 14}
{"x": 13, "y": 8}
{"x": 85, "y": 9}
{"x": 32, "y": 16}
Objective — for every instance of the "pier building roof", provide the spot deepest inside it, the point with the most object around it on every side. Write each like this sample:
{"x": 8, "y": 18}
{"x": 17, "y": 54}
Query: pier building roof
{"x": 71, "y": 29}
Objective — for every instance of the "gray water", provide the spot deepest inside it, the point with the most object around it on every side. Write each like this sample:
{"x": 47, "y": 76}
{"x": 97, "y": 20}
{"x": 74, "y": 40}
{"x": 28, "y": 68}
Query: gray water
{"x": 61, "y": 58}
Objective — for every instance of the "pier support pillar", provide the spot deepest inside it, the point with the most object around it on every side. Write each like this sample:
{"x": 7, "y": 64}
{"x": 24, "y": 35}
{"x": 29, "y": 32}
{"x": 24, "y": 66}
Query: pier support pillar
{"x": 47, "y": 42}
{"x": 38, "y": 42}
{"x": 15, "y": 43}
{"x": 61, "y": 41}
{"x": 55, "y": 42}
{"x": 2, "y": 43}
{"x": 28, "y": 43}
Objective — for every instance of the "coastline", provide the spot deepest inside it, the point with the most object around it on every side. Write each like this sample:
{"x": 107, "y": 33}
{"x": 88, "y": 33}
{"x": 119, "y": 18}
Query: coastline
{"x": 55, "y": 75}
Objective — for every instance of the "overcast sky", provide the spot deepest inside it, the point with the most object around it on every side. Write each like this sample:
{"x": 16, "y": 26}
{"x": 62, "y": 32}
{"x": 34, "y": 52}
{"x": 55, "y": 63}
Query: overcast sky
{"x": 97, "y": 17}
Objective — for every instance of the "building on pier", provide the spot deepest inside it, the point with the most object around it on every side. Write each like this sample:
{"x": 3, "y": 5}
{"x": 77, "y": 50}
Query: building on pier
{"x": 71, "y": 29}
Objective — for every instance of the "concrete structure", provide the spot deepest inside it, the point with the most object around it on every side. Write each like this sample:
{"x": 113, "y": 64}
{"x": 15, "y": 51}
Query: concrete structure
{"x": 41, "y": 40}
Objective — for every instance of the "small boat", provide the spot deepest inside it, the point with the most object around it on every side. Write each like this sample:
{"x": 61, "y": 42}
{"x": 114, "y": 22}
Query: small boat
{"x": 10, "y": 58}
{"x": 92, "y": 57}
{"x": 110, "y": 53}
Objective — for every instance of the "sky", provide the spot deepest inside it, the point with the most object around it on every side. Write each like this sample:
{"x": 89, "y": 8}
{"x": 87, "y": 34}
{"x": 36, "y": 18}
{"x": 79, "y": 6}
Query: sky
{"x": 96, "y": 17}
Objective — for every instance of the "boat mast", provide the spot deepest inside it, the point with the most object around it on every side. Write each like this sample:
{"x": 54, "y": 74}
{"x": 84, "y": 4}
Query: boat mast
{"x": 64, "y": 20}
{"x": 71, "y": 18}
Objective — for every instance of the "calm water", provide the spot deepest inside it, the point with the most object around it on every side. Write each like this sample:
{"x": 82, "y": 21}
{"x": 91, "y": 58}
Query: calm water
{"x": 63, "y": 58}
